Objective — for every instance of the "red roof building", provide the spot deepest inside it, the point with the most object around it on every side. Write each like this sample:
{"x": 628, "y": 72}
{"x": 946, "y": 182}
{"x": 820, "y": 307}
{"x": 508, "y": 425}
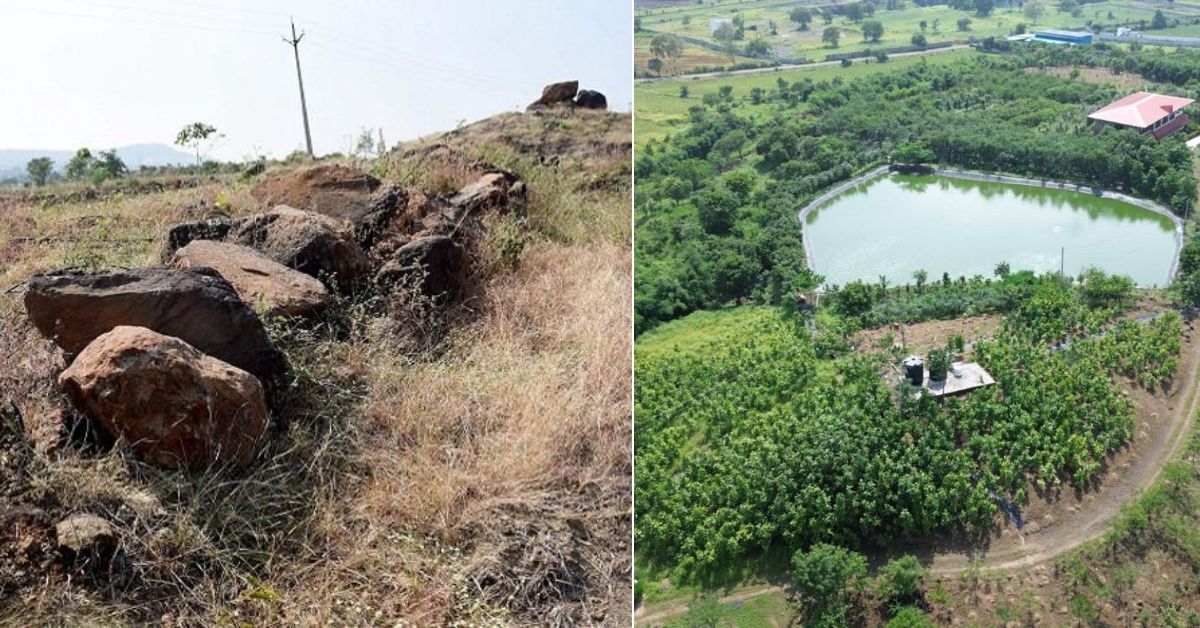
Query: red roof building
{"x": 1148, "y": 113}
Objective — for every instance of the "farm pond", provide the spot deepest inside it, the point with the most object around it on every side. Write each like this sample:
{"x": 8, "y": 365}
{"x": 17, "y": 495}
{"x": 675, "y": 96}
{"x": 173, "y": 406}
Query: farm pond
{"x": 894, "y": 225}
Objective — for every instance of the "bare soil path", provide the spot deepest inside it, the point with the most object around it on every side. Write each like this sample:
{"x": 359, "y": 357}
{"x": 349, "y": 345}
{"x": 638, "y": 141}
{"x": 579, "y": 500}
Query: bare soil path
{"x": 1015, "y": 548}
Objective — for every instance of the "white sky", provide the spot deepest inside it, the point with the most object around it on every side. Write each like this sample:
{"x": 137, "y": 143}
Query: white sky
{"x": 105, "y": 73}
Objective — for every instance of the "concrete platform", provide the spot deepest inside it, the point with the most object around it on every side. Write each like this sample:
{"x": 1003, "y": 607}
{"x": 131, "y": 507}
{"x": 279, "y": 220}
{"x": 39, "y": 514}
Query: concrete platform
{"x": 971, "y": 376}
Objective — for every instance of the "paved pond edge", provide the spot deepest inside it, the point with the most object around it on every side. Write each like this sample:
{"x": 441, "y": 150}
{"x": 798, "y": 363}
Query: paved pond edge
{"x": 990, "y": 177}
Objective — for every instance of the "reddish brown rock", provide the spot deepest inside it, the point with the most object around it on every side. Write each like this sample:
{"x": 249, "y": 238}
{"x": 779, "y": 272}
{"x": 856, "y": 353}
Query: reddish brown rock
{"x": 197, "y": 305}
{"x": 434, "y": 265}
{"x": 174, "y": 405}
{"x": 492, "y": 191}
{"x": 262, "y": 282}
{"x": 556, "y": 94}
{"x": 309, "y": 242}
{"x": 341, "y": 192}
{"x": 80, "y": 533}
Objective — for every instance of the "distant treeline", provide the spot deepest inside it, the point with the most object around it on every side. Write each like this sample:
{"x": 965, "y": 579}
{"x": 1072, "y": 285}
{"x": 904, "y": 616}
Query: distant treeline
{"x": 716, "y": 202}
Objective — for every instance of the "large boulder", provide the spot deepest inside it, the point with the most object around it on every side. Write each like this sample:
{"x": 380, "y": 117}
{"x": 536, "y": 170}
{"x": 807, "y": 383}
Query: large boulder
{"x": 182, "y": 234}
{"x": 258, "y": 279}
{"x": 434, "y": 265}
{"x": 309, "y": 242}
{"x": 197, "y": 305}
{"x": 591, "y": 99}
{"x": 555, "y": 94}
{"x": 174, "y": 405}
{"x": 338, "y": 191}
{"x": 499, "y": 190}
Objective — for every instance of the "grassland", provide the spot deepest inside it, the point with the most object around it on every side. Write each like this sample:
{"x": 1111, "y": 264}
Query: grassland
{"x": 899, "y": 26}
{"x": 420, "y": 480}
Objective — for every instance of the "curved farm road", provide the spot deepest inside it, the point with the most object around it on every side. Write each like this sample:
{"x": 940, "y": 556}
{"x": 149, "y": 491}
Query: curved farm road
{"x": 787, "y": 66}
{"x": 1071, "y": 530}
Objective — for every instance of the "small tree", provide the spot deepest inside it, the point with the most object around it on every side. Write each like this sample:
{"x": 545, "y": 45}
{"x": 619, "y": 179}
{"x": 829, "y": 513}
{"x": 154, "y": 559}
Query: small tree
{"x": 831, "y": 35}
{"x": 108, "y": 166}
{"x": 39, "y": 169}
{"x": 825, "y": 577}
{"x": 923, "y": 24}
{"x": 920, "y": 277}
{"x": 983, "y": 8}
{"x": 872, "y": 30}
{"x": 1034, "y": 10}
{"x": 919, "y": 40}
{"x": 656, "y": 65}
{"x": 1159, "y": 21}
{"x": 900, "y": 578}
{"x": 964, "y": 24}
{"x": 194, "y": 135}
{"x": 683, "y": 91}
{"x": 667, "y": 46}
{"x": 801, "y": 16}
{"x": 1002, "y": 270}
{"x": 757, "y": 47}
{"x": 80, "y": 164}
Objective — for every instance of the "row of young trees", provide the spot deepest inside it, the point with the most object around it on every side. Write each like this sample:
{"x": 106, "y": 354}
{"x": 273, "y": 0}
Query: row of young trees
{"x": 757, "y": 445}
{"x": 106, "y": 164}
{"x": 716, "y": 201}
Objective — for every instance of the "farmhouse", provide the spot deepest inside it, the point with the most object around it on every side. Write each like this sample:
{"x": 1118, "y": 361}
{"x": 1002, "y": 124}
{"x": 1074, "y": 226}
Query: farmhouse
{"x": 1155, "y": 114}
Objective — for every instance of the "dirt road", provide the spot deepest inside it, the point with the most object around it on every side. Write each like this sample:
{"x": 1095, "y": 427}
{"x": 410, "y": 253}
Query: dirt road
{"x": 1068, "y": 532}
{"x": 791, "y": 66}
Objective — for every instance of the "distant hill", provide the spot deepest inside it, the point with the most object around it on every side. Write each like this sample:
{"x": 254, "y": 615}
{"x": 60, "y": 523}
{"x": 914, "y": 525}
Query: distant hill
{"x": 12, "y": 161}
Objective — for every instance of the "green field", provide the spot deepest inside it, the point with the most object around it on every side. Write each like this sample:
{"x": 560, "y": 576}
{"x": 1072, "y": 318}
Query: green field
{"x": 899, "y": 26}
{"x": 658, "y": 107}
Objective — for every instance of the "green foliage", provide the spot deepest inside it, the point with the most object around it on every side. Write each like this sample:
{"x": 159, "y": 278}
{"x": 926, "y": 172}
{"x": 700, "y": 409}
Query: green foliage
{"x": 872, "y": 30}
{"x": 39, "y": 169}
{"x": 1159, "y": 21}
{"x": 825, "y": 577}
{"x": 758, "y": 47}
{"x": 745, "y": 448}
{"x": 900, "y": 578}
{"x": 195, "y": 135}
{"x": 703, "y": 612}
{"x": 910, "y": 617}
{"x": 831, "y": 35}
{"x": 80, "y": 165}
{"x": 801, "y": 16}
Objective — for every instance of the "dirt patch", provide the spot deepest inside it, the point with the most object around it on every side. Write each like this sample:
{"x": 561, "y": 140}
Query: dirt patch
{"x": 921, "y": 338}
{"x": 1100, "y": 76}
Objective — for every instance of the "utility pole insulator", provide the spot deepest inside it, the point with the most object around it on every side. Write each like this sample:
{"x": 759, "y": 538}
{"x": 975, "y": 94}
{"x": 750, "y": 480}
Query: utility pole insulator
{"x": 294, "y": 42}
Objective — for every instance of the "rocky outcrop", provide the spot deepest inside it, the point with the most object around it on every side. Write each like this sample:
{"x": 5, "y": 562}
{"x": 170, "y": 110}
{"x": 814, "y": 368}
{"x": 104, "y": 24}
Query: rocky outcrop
{"x": 196, "y": 305}
{"x": 434, "y": 265}
{"x": 555, "y": 94}
{"x": 174, "y": 405}
{"x": 183, "y": 234}
{"x": 591, "y": 99}
{"x": 309, "y": 242}
{"x": 498, "y": 190}
{"x": 262, "y": 282}
{"x": 337, "y": 191}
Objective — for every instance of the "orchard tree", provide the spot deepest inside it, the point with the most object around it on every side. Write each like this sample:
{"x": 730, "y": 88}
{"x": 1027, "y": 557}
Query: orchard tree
{"x": 1159, "y": 21}
{"x": 39, "y": 169}
{"x": 757, "y": 47}
{"x": 726, "y": 34}
{"x": 1034, "y": 10}
{"x": 826, "y": 576}
{"x": 831, "y": 35}
{"x": 801, "y": 16}
{"x": 194, "y": 135}
{"x": 964, "y": 24}
{"x": 983, "y": 8}
{"x": 667, "y": 46}
{"x": 872, "y": 30}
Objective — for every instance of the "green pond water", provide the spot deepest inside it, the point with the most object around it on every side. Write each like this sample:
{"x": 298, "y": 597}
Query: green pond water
{"x": 896, "y": 224}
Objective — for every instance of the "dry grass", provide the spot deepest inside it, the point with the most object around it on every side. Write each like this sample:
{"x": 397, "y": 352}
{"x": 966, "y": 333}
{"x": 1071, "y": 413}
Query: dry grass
{"x": 485, "y": 482}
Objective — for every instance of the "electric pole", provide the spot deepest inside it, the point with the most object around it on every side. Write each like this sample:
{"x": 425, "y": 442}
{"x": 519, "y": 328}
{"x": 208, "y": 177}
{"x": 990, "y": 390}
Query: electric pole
{"x": 294, "y": 42}
{"x": 1062, "y": 261}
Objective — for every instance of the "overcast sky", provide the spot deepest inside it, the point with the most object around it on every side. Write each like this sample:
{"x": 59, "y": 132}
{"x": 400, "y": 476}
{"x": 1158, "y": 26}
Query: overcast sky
{"x": 104, "y": 73}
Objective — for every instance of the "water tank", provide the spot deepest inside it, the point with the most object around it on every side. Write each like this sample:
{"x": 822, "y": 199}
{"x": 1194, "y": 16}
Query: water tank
{"x": 914, "y": 370}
